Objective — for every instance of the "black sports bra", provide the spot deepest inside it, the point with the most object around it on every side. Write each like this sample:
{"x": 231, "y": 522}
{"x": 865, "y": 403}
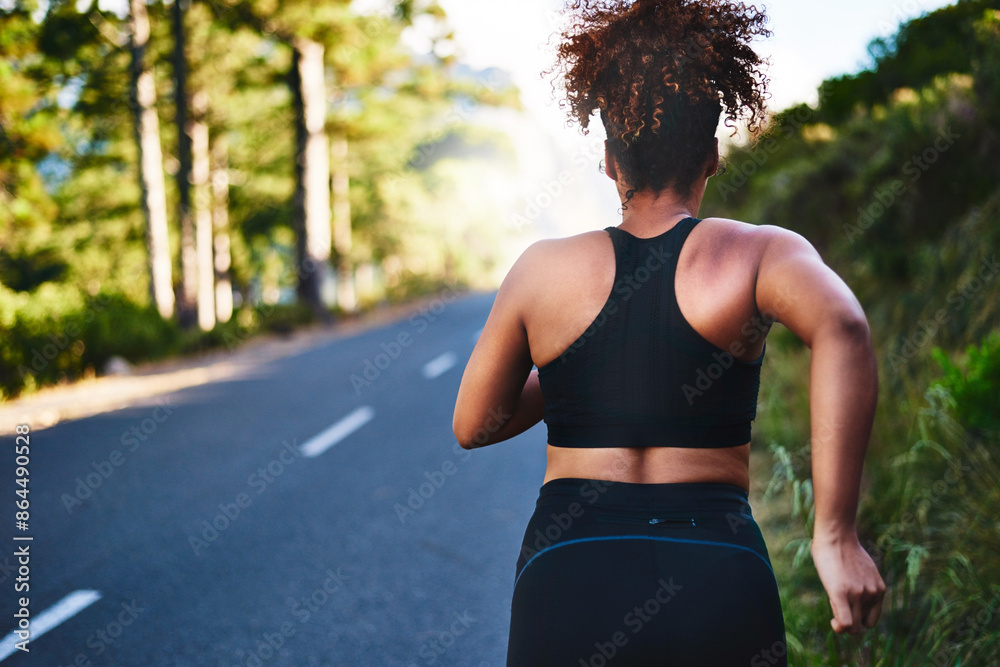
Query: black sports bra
{"x": 640, "y": 375}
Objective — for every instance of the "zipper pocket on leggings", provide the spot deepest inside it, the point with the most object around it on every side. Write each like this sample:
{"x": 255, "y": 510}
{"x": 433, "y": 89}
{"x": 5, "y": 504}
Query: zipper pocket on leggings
{"x": 666, "y": 522}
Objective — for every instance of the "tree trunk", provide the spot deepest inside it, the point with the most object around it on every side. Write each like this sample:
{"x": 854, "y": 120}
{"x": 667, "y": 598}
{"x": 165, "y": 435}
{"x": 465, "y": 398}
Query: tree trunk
{"x": 200, "y": 170}
{"x": 312, "y": 172}
{"x": 346, "y": 294}
{"x": 220, "y": 224}
{"x": 189, "y": 252}
{"x": 147, "y": 136}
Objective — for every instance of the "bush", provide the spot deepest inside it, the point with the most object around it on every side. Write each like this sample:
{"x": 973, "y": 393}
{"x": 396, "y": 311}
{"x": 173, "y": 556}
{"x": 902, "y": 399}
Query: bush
{"x": 58, "y": 333}
{"x": 416, "y": 285}
{"x": 973, "y": 383}
{"x": 927, "y": 517}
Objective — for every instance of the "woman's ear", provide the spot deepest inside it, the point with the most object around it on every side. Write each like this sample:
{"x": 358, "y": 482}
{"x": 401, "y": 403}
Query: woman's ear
{"x": 713, "y": 163}
{"x": 610, "y": 167}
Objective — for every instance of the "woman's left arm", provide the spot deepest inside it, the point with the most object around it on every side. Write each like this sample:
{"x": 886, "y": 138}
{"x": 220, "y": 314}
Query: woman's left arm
{"x": 499, "y": 396}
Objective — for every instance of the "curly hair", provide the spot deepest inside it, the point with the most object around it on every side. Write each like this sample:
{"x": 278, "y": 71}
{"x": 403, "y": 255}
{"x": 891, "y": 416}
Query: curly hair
{"x": 661, "y": 72}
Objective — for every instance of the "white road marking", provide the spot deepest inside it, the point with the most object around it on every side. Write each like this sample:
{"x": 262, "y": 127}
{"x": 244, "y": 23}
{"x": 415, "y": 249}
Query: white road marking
{"x": 343, "y": 428}
{"x": 439, "y": 365}
{"x": 477, "y": 334}
{"x": 66, "y": 608}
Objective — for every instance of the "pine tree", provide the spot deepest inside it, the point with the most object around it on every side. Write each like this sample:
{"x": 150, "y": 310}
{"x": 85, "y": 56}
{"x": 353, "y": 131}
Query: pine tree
{"x": 147, "y": 135}
{"x": 190, "y": 309}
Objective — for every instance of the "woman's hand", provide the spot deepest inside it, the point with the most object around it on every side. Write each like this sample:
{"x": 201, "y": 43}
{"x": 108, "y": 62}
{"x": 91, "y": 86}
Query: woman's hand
{"x": 851, "y": 580}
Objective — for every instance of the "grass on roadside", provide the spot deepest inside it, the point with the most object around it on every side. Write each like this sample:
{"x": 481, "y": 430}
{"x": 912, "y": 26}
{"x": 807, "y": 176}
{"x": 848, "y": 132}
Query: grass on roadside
{"x": 929, "y": 515}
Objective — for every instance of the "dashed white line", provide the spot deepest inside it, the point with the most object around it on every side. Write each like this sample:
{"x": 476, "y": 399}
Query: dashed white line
{"x": 343, "y": 428}
{"x": 66, "y": 608}
{"x": 439, "y": 365}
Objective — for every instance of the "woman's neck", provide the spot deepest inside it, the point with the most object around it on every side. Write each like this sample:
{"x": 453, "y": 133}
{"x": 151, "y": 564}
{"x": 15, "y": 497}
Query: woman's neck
{"x": 650, "y": 213}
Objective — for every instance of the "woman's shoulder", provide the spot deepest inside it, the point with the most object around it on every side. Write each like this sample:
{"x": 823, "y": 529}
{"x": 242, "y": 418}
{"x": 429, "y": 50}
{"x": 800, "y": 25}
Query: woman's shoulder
{"x": 745, "y": 231}
{"x": 560, "y": 254}
{"x": 548, "y": 265}
{"x": 758, "y": 240}
{"x": 568, "y": 244}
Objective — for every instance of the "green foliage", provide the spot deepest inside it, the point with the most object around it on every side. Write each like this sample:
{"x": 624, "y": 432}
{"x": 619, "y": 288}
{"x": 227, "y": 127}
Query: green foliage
{"x": 70, "y": 221}
{"x": 120, "y": 327}
{"x": 928, "y": 518}
{"x": 29, "y": 118}
{"x": 415, "y": 285}
{"x": 249, "y": 322}
{"x": 892, "y": 177}
{"x": 58, "y": 333}
{"x": 973, "y": 384}
{"x": 927, "y": 47}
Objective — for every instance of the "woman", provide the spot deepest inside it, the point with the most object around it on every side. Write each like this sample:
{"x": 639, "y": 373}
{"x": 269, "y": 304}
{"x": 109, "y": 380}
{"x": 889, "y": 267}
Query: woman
{"x": 648, "y": 338}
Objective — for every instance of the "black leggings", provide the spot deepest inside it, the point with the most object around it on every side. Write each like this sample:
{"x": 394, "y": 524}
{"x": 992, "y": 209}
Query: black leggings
{"x": 613, "y": 573}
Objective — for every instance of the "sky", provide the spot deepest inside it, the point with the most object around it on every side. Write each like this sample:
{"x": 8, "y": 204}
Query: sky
{"x": 811, "y": 41}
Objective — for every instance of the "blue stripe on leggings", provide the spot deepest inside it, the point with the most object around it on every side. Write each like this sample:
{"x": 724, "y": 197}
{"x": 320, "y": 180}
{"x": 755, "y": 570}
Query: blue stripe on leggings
{"x": 639, "y": 537}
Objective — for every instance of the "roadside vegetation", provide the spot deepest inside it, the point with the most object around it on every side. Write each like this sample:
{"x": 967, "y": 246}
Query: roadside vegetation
{"x": 893, "y": 176}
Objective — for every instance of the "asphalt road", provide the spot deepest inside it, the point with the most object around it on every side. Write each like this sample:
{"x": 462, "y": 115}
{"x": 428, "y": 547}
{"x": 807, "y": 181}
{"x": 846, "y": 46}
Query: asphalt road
{"x": 308, "y": 514}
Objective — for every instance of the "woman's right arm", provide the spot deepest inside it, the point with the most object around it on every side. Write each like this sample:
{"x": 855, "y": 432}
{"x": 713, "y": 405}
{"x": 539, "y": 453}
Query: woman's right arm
{"x": 796, "y": 288}
{"x": 499, "y": 396}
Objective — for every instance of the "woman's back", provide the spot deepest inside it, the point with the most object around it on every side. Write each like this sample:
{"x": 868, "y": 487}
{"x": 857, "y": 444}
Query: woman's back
{"x": 567, "y": 284}
{"x": 715, "y": 281}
